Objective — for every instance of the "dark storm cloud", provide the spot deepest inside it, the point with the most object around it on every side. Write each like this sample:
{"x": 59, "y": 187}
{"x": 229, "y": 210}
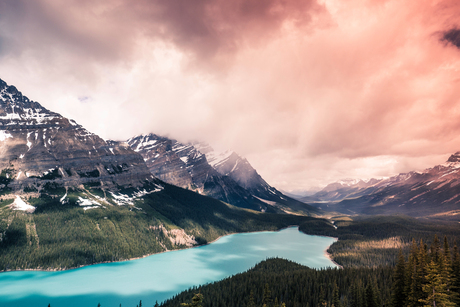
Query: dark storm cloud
{"x": 211, "y": 28}
{"x": 452, "y": 36}
{"x": 206, "y": 29}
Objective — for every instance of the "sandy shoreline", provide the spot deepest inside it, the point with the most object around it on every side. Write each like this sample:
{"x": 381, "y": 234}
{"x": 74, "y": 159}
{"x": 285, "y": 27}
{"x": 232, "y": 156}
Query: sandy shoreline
{"x": 326, "y": 254}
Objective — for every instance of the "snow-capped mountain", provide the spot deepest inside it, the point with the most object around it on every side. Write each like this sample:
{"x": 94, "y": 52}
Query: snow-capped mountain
{"x": 432, "y": 192}
{"x": 185, "y": 166}
{"x": 39, "y": 147}
{"x": 96, "y": 201}
{"x": 225, "y": 176}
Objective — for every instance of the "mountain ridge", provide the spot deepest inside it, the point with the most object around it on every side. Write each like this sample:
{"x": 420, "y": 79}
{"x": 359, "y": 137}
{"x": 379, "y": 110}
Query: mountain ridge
{"x": 39, "y": 146}
{"x": 225, "y": 176}
{"x": 433, "y": 192}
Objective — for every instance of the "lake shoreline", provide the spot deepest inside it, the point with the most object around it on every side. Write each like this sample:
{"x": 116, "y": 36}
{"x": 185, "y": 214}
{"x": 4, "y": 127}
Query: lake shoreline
{"x": 326, "y": 254}
{"x": 162, "y": 276}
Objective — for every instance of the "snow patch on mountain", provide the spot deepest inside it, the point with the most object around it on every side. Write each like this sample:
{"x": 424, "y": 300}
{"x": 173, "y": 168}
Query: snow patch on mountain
{"x": 218, "y": 158}
{"x": 269, "y": 202}
{"x": 85, "y": 202}
{"x": 21, "y": 205}
{"x": 4, "y": 135}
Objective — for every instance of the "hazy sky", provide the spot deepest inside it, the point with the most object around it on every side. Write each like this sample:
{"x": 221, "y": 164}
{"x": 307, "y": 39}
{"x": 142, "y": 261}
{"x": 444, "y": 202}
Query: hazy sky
{"x": 309, "y": 91}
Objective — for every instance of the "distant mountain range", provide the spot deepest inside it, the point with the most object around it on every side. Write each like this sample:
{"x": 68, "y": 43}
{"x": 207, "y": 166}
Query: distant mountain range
{"x": 225, "y": 176}
{"x": 434, "y": 192}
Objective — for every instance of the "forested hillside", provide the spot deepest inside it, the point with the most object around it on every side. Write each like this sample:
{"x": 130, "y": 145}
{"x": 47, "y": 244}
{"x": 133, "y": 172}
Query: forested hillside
{"x": 372, "y": 275}
{"x": 277, "y": 281}
{"x": 66, "y": 234}
{"x": 375, "y": 241}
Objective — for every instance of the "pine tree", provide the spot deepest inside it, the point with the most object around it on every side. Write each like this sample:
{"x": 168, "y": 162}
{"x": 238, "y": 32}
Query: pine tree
{"x": 267, "y": 297}
{"x": 420, "y": 275}
{"x": 251, "y": 302}
{"x": 356, "y": 296}
{"x": 412, "y": 284}
{"x": 436, "y": 292}
{"x": 335, "y": 297}
{"x": 371, "y": 297}
{"x": 197, "y": 301}
{"x": 435, "y": 249}
{"x": 447, "y": 255}
{"x": 399, "y": 294}
{"x": 322, "y": 297}
{"x": 422, "y": 260}
{"x": 456, "y": 274}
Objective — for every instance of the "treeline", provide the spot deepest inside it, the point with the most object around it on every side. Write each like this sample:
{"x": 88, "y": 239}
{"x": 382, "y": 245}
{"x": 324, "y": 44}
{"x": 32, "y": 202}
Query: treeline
{"x": 277, "y": 282}
{"x": 429, "y": 277}
{"x": 375, "y": 241}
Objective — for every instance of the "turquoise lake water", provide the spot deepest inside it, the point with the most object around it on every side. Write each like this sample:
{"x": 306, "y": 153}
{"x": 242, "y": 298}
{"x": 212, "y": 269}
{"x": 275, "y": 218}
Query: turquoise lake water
{"x": 159, "y": 276}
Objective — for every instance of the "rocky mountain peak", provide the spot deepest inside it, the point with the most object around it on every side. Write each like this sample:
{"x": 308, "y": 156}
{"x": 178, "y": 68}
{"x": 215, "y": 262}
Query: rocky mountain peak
{"x": 455, "y": 157}
{"x": 35, "y": 142}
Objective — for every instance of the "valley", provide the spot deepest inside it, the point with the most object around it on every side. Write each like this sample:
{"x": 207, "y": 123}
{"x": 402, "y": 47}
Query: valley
{"x": 161, "y": 276}
{"x": 69, "y": 199}
{"x": 432, "y": 193}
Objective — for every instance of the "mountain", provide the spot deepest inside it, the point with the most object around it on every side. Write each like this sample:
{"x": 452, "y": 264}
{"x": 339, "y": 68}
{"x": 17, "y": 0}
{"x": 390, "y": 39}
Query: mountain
{"x": 434, "y": 192}
{"x": 239, "y": 169}
{"x": 70, "y": 198}
{"x": 347, "y": 188}
{"x": 186, "y": 167}
{"x": 40, "y": 148}
{"x": 224, "y": 176}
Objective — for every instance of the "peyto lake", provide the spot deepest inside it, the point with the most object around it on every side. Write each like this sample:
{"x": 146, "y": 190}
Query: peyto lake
{"x": 160, "y": 276}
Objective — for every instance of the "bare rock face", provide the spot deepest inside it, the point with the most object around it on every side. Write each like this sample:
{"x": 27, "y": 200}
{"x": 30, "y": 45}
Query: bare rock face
{"x": 39, "y": 147}
{"x": 171, "y": 161}
{"x": 455, "y": 157}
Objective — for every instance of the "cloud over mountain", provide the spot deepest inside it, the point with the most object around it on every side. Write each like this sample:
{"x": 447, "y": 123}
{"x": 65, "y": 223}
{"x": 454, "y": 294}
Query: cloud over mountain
{"x": 325, "y": 84}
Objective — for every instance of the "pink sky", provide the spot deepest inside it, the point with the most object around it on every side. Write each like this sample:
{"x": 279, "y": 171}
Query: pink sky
{"x": 309, "y": 91}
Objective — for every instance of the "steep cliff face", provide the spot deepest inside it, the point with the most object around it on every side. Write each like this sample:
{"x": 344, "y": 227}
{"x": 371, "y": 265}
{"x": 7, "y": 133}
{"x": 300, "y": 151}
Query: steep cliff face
{"x": 38, "y": 146}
